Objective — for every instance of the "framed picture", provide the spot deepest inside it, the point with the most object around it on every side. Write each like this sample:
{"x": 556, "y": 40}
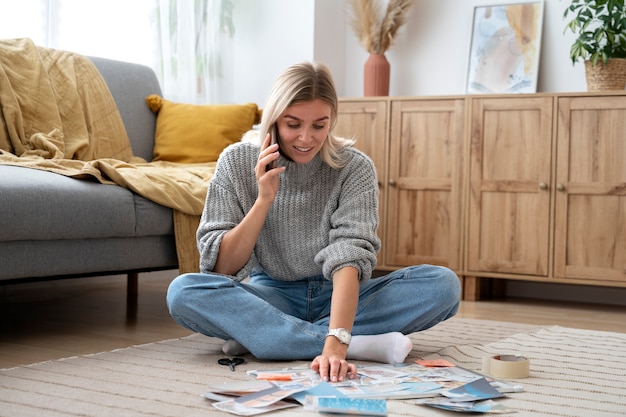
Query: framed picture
{"x": 504, "y": 49}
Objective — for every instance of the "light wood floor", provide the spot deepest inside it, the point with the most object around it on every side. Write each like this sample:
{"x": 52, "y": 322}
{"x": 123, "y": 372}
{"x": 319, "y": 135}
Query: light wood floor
{"x": 52, "y": 320}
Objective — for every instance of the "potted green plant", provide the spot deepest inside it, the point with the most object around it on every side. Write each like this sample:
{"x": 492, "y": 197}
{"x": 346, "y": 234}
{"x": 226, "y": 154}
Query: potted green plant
{"x": 600, "y": 26}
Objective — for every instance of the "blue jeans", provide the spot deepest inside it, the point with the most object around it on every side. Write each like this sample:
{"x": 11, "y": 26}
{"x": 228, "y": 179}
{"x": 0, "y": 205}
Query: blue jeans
{"x": 288, "y": 320}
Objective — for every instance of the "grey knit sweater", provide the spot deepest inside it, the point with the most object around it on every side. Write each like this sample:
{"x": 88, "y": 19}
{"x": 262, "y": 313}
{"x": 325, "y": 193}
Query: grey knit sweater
{"x": 322, "y": 219}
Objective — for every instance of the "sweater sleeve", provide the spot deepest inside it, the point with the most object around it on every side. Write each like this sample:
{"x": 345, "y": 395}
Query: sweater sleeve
{"x": 353, "y": 238}
{"x": 225, "y": 201}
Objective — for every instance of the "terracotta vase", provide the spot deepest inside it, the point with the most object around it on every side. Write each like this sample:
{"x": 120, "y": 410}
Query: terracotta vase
{"x": 376, "y": 76}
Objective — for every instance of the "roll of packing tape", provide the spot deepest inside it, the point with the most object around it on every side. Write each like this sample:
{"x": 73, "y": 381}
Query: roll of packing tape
{"x": 506, "y": 366}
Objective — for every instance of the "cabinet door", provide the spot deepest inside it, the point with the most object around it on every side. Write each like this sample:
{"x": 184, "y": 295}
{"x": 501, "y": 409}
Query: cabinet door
{"x": 590, "y": 221}
{"x": 509, "y": 190}
{"x": 424, "y": 192}
{"x": 366, "y": 121}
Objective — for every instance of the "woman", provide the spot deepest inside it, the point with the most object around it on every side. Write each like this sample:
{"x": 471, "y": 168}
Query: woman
{"x": 304, "y": 233}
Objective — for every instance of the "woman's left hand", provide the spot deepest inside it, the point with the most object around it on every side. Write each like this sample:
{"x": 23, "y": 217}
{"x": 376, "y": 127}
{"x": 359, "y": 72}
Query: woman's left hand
{"x": 333, "y": 367}
{"x": 332, "y": 364}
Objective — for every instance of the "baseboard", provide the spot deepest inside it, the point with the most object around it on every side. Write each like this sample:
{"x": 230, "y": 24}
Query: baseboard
{"x": 566, "y": 292}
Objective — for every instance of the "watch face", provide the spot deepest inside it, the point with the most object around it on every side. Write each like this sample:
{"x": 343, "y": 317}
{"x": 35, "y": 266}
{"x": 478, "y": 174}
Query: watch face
{"x": 344, "y": 336}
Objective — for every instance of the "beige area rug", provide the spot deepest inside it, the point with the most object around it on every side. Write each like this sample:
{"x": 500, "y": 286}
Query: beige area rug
{"x": 573, "y": 373}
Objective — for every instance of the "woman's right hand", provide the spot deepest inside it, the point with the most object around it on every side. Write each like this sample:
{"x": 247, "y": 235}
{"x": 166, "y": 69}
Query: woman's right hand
{"x": 268, "y": 180}
{"x": 238, "y": 243}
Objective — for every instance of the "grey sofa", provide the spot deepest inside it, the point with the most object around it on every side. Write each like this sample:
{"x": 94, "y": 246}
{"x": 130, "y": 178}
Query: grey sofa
{"x": 54, "y": 226}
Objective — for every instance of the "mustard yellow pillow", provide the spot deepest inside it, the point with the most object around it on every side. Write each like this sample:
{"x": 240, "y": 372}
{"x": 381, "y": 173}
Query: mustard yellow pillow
{"x": 192, "y": 133}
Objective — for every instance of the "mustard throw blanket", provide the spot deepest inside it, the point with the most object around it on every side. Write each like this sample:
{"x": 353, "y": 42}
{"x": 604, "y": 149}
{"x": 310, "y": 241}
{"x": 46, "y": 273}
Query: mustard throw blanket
{"x": 58, "y": 115}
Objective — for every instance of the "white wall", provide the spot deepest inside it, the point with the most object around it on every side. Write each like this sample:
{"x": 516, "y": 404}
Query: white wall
{"x": 269, "y": 36}
{"x": 431, "y": 52}
{"x": 429, "y": 56}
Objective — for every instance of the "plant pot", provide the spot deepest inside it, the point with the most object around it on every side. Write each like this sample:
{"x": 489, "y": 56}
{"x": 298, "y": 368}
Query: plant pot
{"x": 376, "y": 76}
{"x": 606, "y": 77}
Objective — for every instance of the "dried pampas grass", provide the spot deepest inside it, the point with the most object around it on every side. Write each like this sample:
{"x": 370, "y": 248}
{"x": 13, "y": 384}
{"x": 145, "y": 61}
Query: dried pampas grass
{"x": 376, "y": 33}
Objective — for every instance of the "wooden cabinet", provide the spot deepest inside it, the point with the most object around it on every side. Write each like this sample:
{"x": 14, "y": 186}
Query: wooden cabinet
{"x": 508, "y": 226}
{"x": 424, "y": 183}
{"x": 419, "y": 162}
{"x": 590, "y": 190}
{"x": 528, "y": 187}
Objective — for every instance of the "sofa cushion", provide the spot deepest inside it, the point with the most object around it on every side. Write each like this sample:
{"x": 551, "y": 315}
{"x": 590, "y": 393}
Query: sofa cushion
{"x": 152, "y": 219}
{"x": 40, "y": 205}
{"x": 191, "y": 133}
{"x": 46, "y": 258}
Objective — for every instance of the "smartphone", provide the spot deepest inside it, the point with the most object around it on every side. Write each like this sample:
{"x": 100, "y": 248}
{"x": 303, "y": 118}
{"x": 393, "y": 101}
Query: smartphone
{"x": 273, "y": 140}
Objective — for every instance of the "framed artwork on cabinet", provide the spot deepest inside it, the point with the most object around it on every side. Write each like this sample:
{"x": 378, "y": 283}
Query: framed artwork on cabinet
{"x": 505, "y": 47}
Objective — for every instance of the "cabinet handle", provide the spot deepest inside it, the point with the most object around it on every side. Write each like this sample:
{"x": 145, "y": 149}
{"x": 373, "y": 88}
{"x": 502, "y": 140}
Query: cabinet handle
{"x": 392, "y": 183}
{"x": 543, "y": 186}
{"x": 560, "y": 187}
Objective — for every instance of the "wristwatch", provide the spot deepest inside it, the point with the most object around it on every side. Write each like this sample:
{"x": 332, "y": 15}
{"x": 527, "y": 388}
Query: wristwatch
{"x": 341, "y": 334}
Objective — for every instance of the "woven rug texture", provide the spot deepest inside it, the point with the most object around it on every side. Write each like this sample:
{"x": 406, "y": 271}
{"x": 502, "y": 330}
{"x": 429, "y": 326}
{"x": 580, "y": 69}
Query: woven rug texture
{"x": 573, "y": 373}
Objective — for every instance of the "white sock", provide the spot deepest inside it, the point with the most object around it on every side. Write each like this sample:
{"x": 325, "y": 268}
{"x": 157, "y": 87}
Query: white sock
{"x": 233, "y": 348}
{"x": 387, "y": 348}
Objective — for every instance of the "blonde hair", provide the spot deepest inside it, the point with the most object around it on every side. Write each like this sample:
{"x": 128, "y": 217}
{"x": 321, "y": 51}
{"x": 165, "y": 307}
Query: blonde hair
{"x": 302, "y": 82}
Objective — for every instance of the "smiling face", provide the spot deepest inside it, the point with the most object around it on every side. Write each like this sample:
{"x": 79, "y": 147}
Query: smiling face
{"x": 303, "y": 128}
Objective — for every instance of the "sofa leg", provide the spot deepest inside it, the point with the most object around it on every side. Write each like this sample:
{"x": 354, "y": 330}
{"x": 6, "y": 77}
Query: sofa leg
{"x": 132, "y": 291}
{"x": 132, "y": 284}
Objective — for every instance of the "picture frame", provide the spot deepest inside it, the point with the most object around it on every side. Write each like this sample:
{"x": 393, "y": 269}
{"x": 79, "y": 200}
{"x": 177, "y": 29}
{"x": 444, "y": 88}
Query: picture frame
{"x": 505, "y": 48}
